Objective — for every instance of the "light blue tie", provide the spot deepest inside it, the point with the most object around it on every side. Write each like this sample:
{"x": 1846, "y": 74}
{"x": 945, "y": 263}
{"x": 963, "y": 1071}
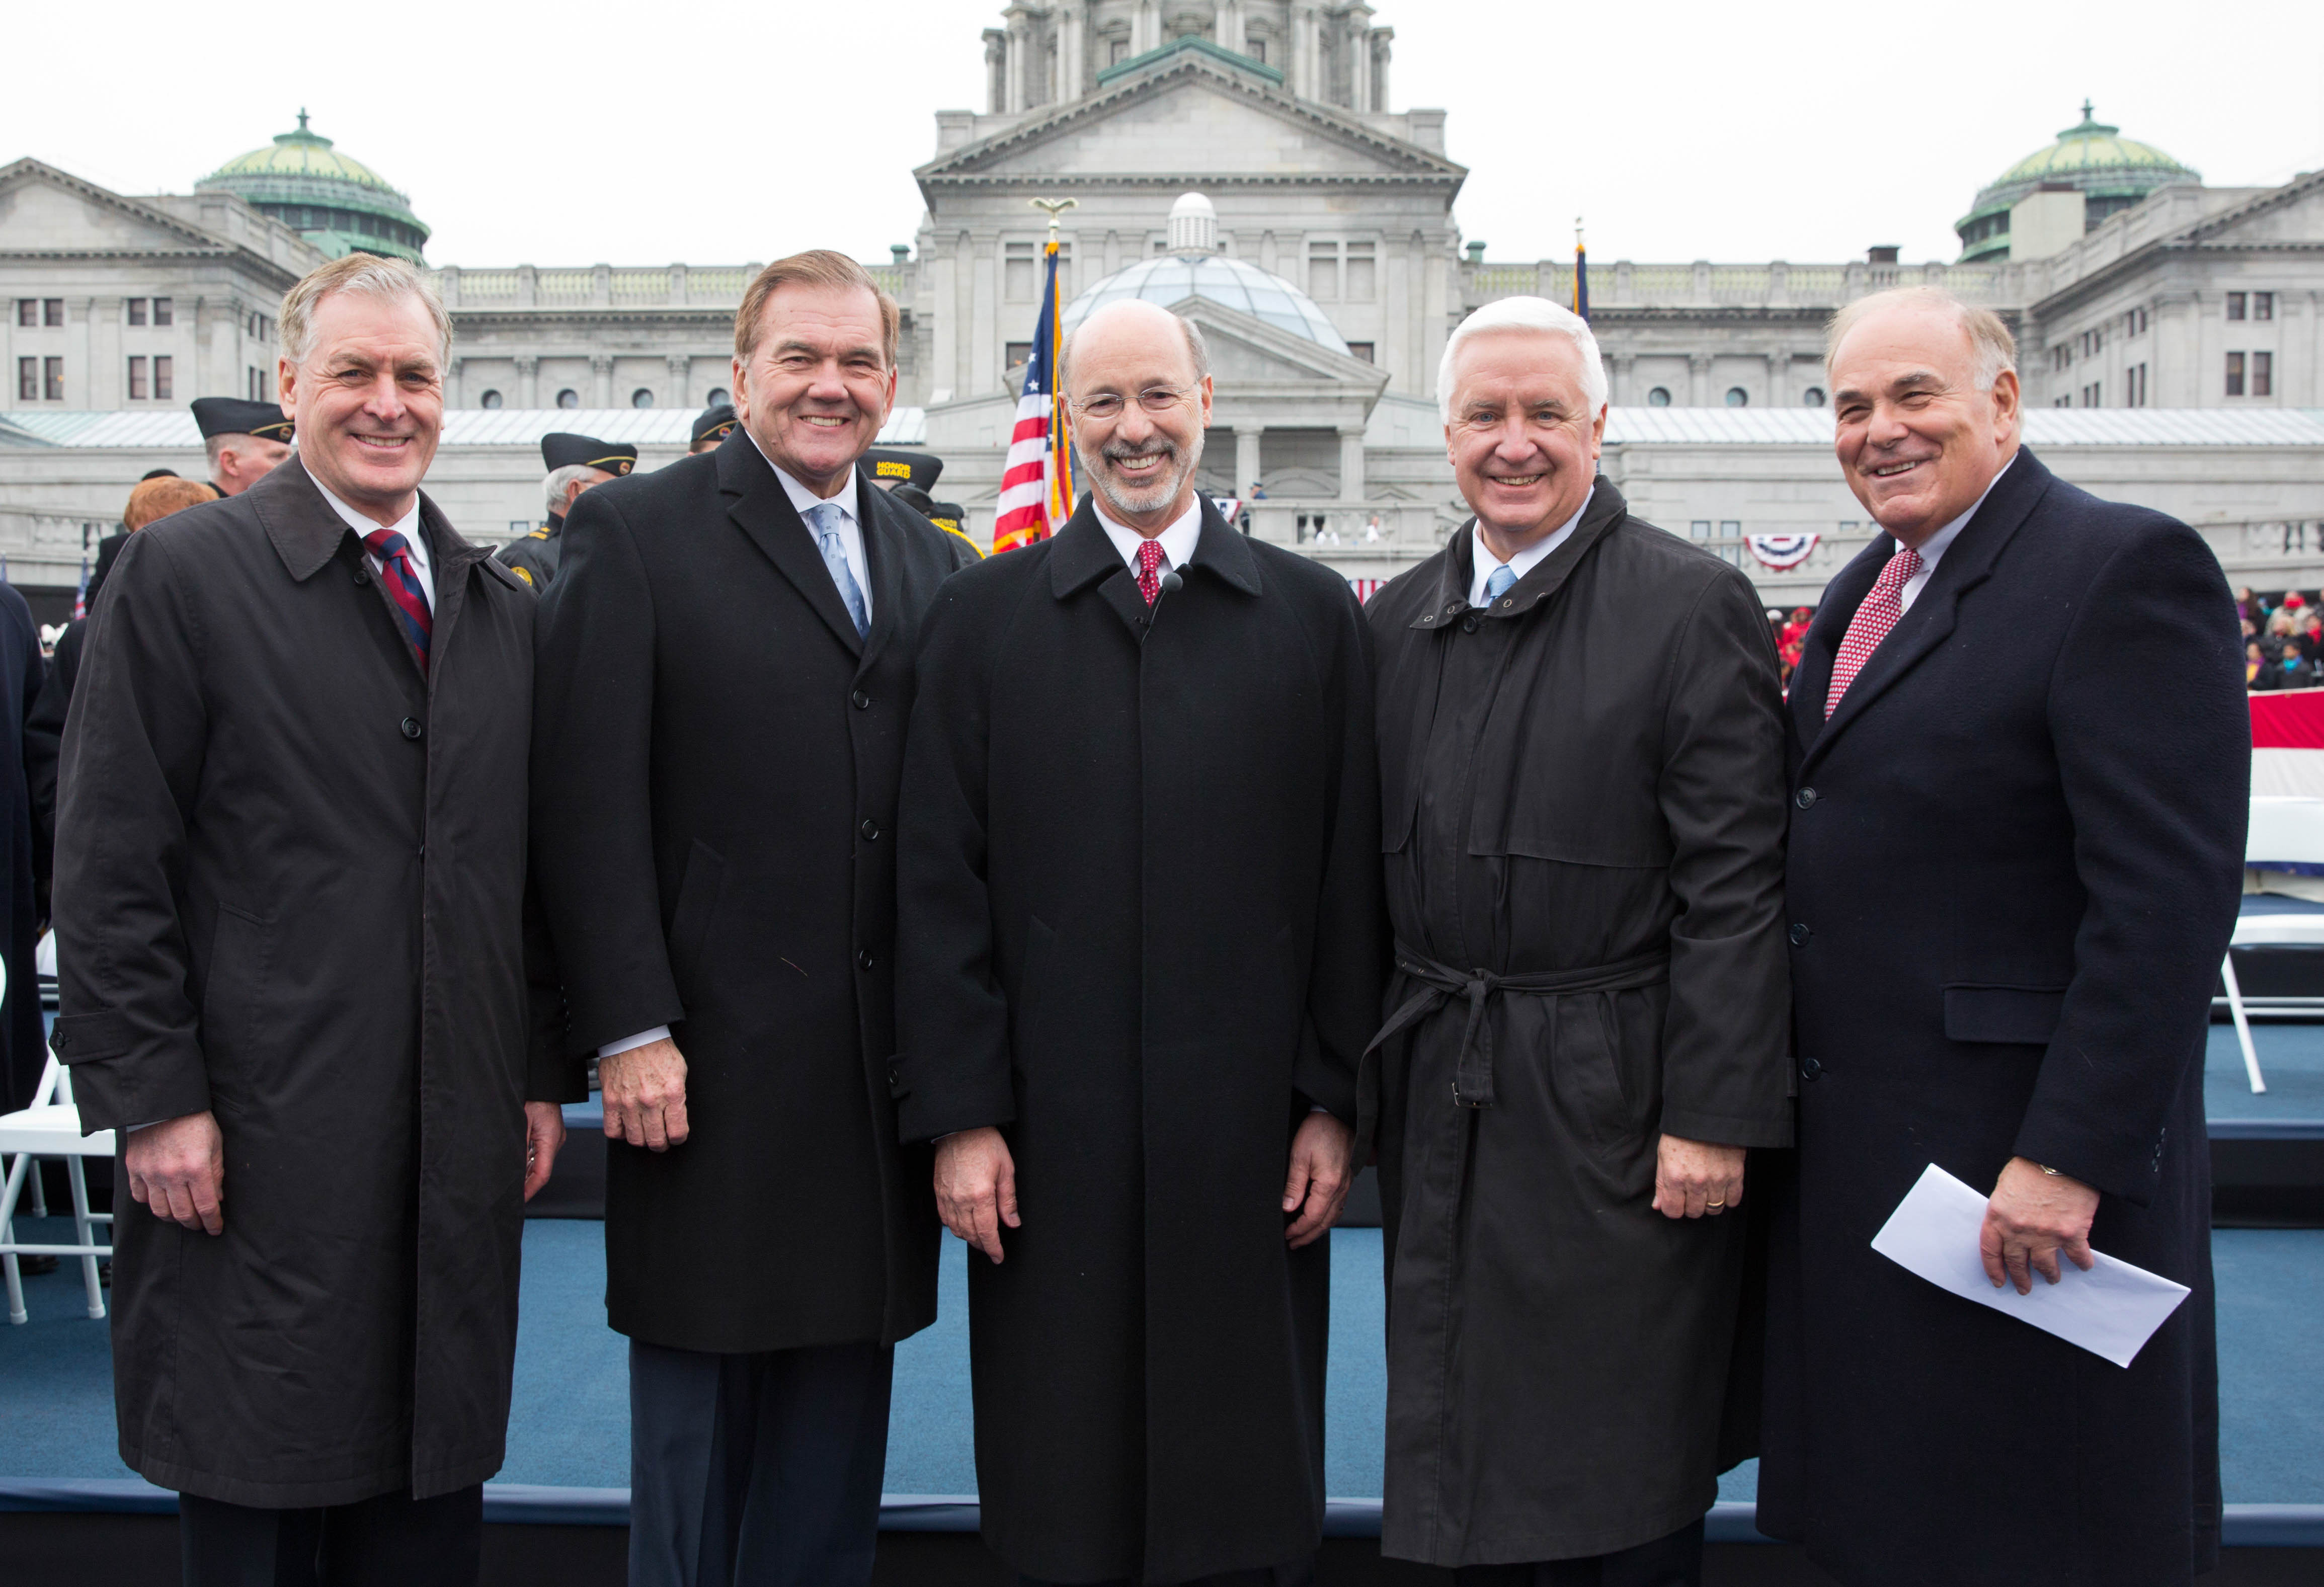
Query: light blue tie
{"x": 823, "y": 519}
{"x": 1498, "y": 583}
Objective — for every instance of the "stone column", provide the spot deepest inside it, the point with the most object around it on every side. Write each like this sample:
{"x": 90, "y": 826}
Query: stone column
{"x": 1226, "y": 26}
{"x": 1246, "y": 433}
{"x": 455, "y": 394}
{"x": 528, "y": 383}
{"x": 1697, "y": 390}
{"x": 601, "y": 382}
{"x": 1779, "y": 374}
{"x": 1021, "y": 60}
{"x": 1352, "y": 462}
{"x": 679, "y": 364}
{"x": 1626, "y": 367}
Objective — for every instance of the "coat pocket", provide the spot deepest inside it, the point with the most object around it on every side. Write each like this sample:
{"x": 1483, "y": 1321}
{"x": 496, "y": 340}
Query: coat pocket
{"x": 233, "y": 1002}
{"x": 697, "y": 909}
{"x": 2021, "y": 1016}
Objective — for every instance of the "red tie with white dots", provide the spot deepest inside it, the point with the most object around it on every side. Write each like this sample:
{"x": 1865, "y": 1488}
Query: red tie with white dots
{"x": 1882, "y": 606}
{"x": 1149, "y": 569}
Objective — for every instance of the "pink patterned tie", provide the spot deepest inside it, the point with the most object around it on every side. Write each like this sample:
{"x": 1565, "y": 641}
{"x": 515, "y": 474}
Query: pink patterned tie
{"x": 1882, "y": 606}
{"x": 1149, "y": 569}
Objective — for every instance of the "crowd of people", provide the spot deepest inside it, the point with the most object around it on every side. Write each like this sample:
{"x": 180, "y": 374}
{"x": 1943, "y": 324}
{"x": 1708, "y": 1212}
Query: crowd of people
{"x": 2282, "y": 637}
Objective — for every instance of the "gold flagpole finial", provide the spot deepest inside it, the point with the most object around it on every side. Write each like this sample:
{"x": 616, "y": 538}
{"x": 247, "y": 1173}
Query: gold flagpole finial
{"x": 1054, "y": 207}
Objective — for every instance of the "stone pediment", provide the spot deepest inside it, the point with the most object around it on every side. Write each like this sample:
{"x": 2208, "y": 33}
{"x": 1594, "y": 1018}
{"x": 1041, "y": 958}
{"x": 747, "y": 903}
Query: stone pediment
{"x": 46, "y": 211}
{"x": 1249, "y": 356}
{"x": 1190, "y": 117}
{"x": 2290, "y": 214}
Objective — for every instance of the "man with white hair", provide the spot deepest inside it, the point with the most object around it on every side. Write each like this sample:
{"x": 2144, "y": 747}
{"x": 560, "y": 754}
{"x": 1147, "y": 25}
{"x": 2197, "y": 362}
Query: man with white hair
{"x": 1582, "y": 800}
{"x": 575, "y": 463}
{"x": 1139, "y": 926}
{"x": 2020, "y": 756}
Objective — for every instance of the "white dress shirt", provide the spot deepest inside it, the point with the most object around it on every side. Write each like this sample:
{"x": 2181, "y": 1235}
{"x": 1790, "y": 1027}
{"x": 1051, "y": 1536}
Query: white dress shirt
{"x": 851, "y": 544}
{"x": 851, "y": 521}
{"x": 1526, "y": 560}
{"x": 1179, "y": 540}
{"x": 1937, "y": 544}
{"x": 408, "y": 526}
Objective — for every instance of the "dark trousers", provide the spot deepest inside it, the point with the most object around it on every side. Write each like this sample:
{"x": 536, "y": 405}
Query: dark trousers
{"x": 1302, "y": 1574}
{"x": 392, "y": 1541}
{"x": 1675, "y": 1560}
{"x": 756, "y": 1470}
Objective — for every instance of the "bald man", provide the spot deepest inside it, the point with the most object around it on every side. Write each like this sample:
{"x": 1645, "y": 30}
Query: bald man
{"x": 1141, "y": 952}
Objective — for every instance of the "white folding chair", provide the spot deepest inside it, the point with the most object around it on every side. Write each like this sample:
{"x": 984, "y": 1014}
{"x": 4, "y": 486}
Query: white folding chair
{"x": 50, "y": 1128}
{"x": 2285, "y": 831}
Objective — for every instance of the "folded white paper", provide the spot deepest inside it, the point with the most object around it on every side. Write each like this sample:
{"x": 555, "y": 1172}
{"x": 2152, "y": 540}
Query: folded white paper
{"x": 2112, "y": 1310}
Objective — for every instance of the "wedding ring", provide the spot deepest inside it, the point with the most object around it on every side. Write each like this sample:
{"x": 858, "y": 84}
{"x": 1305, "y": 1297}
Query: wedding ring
{"x": 1714, "y": 1203}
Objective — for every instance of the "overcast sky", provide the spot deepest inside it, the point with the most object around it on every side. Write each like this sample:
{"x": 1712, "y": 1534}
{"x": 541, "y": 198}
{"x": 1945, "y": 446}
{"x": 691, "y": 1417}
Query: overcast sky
{"x": 642, "y": 135}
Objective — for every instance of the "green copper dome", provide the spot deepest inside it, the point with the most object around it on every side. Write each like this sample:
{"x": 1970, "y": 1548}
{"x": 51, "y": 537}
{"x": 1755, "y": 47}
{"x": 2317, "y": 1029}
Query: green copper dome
{"x": 2113, "y": 173}
{"x": 338, "y": 204}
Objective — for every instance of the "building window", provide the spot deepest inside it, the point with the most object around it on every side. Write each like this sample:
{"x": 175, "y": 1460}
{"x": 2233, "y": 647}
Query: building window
{"x": 642, "y": 398}
{"x": 2234, "y": 374}
{"x": 2262, "y": 305}
{"x": 1736, "y": 397}
{"x": 1659, "y": 397}
{"x": 1323, "y": 272}
{"x": 568, "y": 398}
{"x": 28, "y": 311}
{"x": 1700, "y": 528}
{"x": 2263, "y": 374}
{"x": 489, "y": 399}
{"x": 1019, "y": 270}
{"x": 1363, "y": 271}
{"x": 28, "y": 380}
{"x": 2235, "y": 305}
{"x": 1363, "y": 350}
{"x": 53, "y": 379}
{"x": 52, "y": 312}
{"x": 2134, "y": 324}
{"x": 163, "y": 383}
{"x": 1017, "y": 355}
{"x": 162, "y": 311}
{"x": 2134, "y": 386}
{"x": 1115, "y": 51}
{"x": 1256, "y": 47}
{"x": 717, "y": 394}
{"x": 137, "y": 380}
{"x": 136, "y": 310}
{"x": 1812, "y": 397}
{"x": 2092, "y": 392}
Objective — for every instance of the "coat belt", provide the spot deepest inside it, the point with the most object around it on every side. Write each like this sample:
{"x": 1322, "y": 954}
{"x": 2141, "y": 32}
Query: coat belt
{"x": 1472, "y": 1076}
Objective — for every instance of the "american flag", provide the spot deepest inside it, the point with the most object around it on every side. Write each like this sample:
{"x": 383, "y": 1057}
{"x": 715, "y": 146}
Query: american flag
{"x": 80, "y": 595}
{"x": 1036, "y": 488}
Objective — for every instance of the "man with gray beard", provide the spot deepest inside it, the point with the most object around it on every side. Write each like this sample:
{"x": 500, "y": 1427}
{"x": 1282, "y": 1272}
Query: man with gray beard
{"x": 1139, "y": 953}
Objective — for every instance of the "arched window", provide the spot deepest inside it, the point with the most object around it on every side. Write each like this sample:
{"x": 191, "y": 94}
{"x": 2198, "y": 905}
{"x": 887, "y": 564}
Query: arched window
{"x": 1812, "y": 397}
{"x": 717, "y": 395}
{"x": 489, "y": 399}
{"x": 568, "y": 398}
{"x": 642, "y": 398}
{"x": 1736, "y": 397}
{"x": 1659, "y": 397}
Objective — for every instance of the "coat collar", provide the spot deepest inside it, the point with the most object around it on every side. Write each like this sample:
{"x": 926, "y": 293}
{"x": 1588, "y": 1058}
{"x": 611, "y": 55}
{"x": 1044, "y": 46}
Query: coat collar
{"x": 1607, "y": 508}
{"x": 1082, "y": 555}
{"x": 307, "y": 531}
{"x": 1967, "y": 563}
{"x": 760, "y": 507}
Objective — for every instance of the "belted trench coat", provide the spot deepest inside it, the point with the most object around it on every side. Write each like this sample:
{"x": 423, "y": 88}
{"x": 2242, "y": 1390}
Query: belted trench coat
{"x": 1583, "y": 827}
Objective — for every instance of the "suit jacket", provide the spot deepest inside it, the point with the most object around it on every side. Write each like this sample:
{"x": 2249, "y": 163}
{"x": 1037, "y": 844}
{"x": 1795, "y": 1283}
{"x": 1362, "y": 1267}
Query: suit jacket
{"x": 716, "y": 756}
{"x": 2015, "y": 855}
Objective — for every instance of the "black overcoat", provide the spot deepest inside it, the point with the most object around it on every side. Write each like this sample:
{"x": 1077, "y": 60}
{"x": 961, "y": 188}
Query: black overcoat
{"x": 23, "y": 1052}
{"x": 715, "y": 762}
{"x": 291, "y": 873}
{"x": 1141, "y": 932}
{"x": 1582, "y": 788}
{"x": 2016, "y": 854}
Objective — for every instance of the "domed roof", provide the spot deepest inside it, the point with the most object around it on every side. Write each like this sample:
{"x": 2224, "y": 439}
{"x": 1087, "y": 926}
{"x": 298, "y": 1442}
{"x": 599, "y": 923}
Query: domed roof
{"x": 2114, "y": 173}
{"x": 1175, "y": 276}
{"x": 338, "y": 203}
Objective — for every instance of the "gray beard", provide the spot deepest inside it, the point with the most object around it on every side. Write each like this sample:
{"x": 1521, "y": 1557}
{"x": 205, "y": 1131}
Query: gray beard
{"x": 1154, "y": 498}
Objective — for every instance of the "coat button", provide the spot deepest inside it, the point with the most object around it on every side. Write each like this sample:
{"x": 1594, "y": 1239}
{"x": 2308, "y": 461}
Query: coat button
{"x": 1800, "y": 935}
{"x": 1810, "y": 1069}
{"x": 892, "y": 1081}
{"x": 1805, "y": 797}
{"x": 362, "y": 578}
{"x": 61, "y": 1040}
{"x": 859, "y": 700}
{"x": 870, "y": 829}
{"x": 864, "y": 960}
{"x": 1468, "y": 625}
{"x": 411, "y": 727}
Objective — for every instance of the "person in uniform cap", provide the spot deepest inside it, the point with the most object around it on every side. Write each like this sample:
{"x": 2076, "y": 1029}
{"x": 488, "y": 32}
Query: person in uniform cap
{"x": 247, "y": 440}
{"x": 712, "y": 426}
{"x": 574, "y": 464}
{"x": 890, "y": 467}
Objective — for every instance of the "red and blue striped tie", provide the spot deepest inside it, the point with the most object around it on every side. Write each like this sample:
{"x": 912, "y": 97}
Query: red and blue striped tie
{"x": 402, "y": 581}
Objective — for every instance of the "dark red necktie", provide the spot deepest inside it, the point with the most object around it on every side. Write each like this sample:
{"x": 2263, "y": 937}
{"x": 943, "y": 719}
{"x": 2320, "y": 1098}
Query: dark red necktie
{"x": 402, "y": 581}
{"x": 1875, "y": 614}
{"x": 1149, "y": 569}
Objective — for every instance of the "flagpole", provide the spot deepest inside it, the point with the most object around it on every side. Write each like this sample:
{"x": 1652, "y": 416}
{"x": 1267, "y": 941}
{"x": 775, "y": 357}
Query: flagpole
{"x": 1061, "y": 501}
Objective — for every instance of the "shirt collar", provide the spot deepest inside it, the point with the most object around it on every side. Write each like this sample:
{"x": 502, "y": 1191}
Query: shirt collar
{"x": 1481, "y": 563}
{"x": 408, "y": 526}
{"x": 1179, "y": 540}
{"x": 1939, "y": 543}
{"x": 804, "y": 500}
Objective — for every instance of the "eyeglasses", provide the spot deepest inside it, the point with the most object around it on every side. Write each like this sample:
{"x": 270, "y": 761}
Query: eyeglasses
{"x": 1106, "y": 405}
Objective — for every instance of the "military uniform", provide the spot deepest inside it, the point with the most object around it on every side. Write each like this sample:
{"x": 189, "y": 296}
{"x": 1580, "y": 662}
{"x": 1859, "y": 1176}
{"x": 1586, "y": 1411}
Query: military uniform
{"x": 910, "y": 478}
{"x": 534, "y": 559}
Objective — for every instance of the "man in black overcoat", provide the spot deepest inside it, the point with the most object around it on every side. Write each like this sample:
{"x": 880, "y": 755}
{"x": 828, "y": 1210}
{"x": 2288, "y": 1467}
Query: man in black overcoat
{"x": 1582, "y": 776}
{"x": 726, "y": 671}
{"x": 23, "y": 1054}
{"x": 2020, "y": 780}
{"x": 1142, "y": 944}
{"x": 296, "y": 976}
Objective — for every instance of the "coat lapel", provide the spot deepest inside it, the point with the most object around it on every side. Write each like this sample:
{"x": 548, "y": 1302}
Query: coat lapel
{"x": 883, "y": 561}
{"x": 1922, "y": 630}
{"x": 452, "y": 557}
{"x": 1081, "y": 555}
{"x": 760, "y": 507}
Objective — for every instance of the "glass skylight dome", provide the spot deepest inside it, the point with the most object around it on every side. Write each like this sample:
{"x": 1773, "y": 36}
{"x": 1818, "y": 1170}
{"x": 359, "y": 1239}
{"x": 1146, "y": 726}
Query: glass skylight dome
{"x": 1193, "y": 270}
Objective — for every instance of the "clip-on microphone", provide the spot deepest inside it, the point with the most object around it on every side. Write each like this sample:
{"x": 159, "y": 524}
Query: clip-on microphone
{"x": 1169, "y": 582}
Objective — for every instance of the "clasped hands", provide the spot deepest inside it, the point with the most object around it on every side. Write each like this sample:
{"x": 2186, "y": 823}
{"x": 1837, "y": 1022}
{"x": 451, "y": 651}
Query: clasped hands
{"x": 976, "y": 1183}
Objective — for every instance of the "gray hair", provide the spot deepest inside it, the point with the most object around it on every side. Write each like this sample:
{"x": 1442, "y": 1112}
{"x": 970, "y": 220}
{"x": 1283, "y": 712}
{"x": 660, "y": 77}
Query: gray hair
{"x": 374, "y": 276}
{"x": 1533, "y": 314}
{"x": 1989, "y": 341}
{"x": 1196, "y": 349}
{"x": 559, "y": 479}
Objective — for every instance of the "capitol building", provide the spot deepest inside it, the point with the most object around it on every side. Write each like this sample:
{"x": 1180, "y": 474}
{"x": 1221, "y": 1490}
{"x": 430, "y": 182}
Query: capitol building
{"x": 2172, "y": 332}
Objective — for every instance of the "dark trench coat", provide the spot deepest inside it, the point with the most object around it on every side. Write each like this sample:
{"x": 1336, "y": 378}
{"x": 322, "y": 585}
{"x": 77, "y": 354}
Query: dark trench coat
{"x": 1141, "y": 932}
{"x": 1581, "y": 797}
{"x": 291, "y": 875}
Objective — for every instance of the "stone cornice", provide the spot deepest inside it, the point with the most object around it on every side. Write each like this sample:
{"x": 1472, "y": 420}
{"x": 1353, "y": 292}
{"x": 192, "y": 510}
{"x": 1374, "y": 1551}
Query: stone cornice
{"x": 2308, "y": 185}
{"x": 1210, "y": 181}
{"x": 203, "y": 243}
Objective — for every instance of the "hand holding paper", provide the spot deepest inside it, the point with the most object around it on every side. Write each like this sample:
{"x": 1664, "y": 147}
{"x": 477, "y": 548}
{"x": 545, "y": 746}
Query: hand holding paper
{"x": 2111, "y": 1309}
{"x": 2033, "y": 1215}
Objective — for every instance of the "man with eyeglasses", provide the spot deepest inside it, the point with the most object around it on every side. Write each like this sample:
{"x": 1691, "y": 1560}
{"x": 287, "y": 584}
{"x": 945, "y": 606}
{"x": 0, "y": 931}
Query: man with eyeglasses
{"x": 1141, "y": 952}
